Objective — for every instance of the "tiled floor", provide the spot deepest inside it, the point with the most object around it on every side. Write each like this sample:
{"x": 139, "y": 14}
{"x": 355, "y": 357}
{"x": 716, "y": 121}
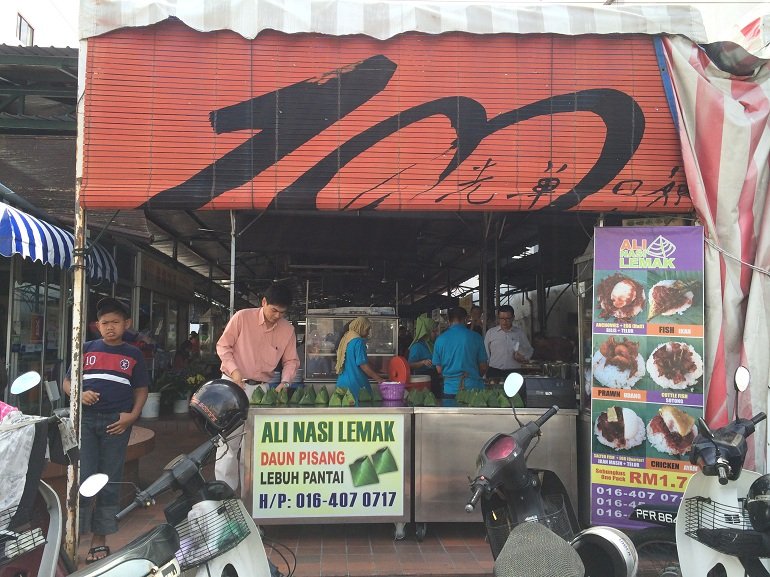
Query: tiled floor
{"x": 336, "y": 550}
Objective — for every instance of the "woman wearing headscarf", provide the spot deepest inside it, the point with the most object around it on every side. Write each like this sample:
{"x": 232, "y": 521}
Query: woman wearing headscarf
{"x": 421, "y": 350}
{"x": 353, "y": 365}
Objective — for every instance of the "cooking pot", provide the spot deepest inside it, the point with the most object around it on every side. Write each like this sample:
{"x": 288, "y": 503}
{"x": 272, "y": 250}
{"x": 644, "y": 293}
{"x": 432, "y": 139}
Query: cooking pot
{"x": 561, "y": 370}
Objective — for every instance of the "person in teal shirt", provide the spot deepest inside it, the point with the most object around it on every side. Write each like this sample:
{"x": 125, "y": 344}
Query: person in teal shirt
{"x": 421, "y": 351}
{"x": 459, "y": 355}
{"x": 353, "y": 365}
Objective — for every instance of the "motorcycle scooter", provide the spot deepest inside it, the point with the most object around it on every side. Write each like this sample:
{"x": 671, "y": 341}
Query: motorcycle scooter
{"x": 714, "y": 535}
{"x": 30, "y": 514}
{"x": 208, "y": 531}
{"x": 528, "y": 517}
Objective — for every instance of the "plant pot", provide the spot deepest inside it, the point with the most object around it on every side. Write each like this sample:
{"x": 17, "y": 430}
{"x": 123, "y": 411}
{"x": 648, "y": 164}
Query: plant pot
{"x": 151, "y": 409}
{"x": 181, "y": 406}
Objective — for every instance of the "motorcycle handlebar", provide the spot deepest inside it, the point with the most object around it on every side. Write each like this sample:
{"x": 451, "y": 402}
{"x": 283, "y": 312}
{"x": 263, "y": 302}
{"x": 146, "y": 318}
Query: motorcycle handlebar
{"x": 758, "y": 418}
{"x": 471, "y": 504}
{"x": 134, "y": 504}
{"x": 183, "y": 468}
{"x": 547, "y": 415}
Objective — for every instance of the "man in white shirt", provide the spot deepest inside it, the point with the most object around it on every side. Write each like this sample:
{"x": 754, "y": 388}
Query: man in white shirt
{"x": 507, "y": 345}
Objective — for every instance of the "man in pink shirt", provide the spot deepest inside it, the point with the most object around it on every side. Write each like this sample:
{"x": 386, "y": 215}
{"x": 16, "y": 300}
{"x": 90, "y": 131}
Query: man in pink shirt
{"x": 252, "y": 345}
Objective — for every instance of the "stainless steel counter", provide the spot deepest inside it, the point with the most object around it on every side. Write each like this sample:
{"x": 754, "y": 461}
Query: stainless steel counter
{"x": 436, "y": 456}
{"x": 447, "y": 441}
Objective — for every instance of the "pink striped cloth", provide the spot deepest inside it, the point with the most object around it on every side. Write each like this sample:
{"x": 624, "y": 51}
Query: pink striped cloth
{"x": 724, "y": 129}
{"x": 6, "y": 410}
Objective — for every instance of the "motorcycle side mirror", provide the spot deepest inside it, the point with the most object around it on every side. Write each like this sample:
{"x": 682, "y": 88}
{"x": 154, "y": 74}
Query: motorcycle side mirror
{"x": 25, "y": 382}
{"x": 742, "y": 378}
{"x": 93, "y": 484}
{"x": 703, "y": 429}
{"x": 512, "y": 384}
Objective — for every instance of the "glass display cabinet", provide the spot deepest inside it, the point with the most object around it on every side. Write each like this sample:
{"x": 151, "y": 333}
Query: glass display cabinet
{"x": 323, "y": 333}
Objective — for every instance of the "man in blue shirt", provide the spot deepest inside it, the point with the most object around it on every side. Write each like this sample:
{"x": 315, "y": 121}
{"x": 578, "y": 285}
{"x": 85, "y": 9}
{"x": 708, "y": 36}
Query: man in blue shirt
{"x": 459, "y": 355}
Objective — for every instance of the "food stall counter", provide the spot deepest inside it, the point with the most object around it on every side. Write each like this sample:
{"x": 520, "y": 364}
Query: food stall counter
{"x": 448, "y": 440}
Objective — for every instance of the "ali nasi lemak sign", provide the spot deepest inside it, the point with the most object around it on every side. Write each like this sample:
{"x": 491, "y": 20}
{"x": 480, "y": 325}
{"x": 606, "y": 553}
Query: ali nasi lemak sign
{"x": 646, "y": 367}
{"x": 328, "y": 465}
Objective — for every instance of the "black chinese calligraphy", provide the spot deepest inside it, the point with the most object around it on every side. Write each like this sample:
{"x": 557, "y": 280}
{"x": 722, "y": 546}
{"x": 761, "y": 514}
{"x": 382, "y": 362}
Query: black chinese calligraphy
{"x": 284, "y": 123}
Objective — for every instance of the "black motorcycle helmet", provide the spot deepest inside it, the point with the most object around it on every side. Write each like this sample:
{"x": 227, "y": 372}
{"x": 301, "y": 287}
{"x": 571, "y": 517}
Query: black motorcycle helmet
{"x": 758, "y": 504}
{"x": 218, "y": 407}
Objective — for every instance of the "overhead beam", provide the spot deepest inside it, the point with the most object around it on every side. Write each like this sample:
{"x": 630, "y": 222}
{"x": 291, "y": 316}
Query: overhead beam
{"x": 40, "y": 90}
{"x": 59, "y": 61}
{"x": 38, "y": 124}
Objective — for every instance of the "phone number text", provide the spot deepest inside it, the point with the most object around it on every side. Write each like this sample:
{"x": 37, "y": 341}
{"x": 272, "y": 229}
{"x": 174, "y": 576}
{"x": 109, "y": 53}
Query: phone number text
{"x": 364, "y": 499}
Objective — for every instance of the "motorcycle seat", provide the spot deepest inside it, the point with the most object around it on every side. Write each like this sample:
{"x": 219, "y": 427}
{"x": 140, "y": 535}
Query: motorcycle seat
{"x": 155, "y": 548}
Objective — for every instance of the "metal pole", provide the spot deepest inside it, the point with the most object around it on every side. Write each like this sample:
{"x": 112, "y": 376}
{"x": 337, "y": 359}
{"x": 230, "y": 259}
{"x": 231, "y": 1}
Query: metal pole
{"x": 76, "y": 377}
{"x": 72, "y": 523}
{"x": 232, "y": 263}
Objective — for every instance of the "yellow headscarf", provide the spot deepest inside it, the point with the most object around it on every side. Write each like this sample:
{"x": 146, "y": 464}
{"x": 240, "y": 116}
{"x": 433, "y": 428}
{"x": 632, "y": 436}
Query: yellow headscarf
{"x": 423, "y": 329}
{"x": 358, "y": 326}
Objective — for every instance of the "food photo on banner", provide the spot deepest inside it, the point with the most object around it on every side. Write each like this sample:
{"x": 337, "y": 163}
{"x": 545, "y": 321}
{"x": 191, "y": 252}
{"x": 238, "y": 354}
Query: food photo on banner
{"x": 647, "y": 367}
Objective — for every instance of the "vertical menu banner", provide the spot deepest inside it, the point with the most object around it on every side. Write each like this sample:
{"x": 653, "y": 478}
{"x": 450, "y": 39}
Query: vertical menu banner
{"x": 646, "y": 367}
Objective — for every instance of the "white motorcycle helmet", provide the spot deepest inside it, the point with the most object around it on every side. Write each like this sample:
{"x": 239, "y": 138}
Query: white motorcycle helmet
{"x": 606, "y": 552}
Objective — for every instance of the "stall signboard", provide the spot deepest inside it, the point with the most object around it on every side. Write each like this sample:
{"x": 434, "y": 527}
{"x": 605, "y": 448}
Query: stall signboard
{"x": 646, "y": 367}
{"x": 337, "y": 465}
{"x": 419, "y": 122}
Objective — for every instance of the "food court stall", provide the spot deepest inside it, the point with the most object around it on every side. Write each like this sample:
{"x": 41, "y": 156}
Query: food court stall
{"x": 385, "y": 133}
{"x": 388, "y": 460}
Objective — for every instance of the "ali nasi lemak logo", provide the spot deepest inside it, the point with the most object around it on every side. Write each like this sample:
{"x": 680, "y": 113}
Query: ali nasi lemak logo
{"x": 636, "y": 253}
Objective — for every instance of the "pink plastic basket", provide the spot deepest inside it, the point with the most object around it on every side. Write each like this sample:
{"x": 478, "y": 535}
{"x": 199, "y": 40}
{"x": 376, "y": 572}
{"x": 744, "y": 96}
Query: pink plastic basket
{"x": 392, "y": 391}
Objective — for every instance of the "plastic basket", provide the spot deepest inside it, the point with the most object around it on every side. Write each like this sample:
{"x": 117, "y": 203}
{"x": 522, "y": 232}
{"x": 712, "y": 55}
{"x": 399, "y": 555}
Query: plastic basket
{"x": 392, "y": 391}
{"x": 207, "y": 536}
{"x": 499, "y": 525}
{"x": 21, "y": 539}
{"x": 724, "y": 528}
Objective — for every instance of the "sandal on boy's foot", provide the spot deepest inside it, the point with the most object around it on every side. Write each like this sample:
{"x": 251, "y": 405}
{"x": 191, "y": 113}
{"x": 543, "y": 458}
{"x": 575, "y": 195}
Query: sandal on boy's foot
{"x": 97, "y": 554}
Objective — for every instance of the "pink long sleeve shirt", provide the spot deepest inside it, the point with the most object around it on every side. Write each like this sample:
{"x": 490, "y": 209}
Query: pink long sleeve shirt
{"x": 247, "y": 344}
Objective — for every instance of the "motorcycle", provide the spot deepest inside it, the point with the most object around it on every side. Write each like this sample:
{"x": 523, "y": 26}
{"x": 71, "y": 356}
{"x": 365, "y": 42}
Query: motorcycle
{"x": 208, "y": 532}
{"x": 30, "y": 512}
{"x": 714, "y": 529}
{"x": 528, "y": 516}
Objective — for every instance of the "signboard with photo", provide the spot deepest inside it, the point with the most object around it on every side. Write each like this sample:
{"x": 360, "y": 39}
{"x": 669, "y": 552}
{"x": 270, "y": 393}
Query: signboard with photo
{"x": 646, "y": 367}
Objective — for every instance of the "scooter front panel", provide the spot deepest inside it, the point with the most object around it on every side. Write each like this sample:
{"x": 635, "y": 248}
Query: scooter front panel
{"x": 695, "y": 558}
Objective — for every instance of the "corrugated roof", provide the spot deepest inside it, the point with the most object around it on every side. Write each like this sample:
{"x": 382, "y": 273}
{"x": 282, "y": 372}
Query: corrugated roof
{"x": 37, "y": 51}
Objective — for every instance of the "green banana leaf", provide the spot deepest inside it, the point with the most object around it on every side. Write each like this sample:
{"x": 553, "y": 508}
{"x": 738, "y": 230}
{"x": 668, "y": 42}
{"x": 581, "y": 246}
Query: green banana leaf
{"x": 348, "y": 400}
{"x": 322, "y": 397}
{"x": 256, "y": 396}
{"x": 269, "y": 399}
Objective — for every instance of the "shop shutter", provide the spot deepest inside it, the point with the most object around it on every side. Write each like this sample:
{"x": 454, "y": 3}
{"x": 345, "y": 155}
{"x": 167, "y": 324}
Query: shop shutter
{"x": 176, "y": 118}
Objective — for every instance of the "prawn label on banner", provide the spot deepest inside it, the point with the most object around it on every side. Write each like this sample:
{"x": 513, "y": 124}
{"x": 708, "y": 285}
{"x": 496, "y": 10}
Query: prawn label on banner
{"x": 332, "y": 465}
{"x": 646, "y": 367}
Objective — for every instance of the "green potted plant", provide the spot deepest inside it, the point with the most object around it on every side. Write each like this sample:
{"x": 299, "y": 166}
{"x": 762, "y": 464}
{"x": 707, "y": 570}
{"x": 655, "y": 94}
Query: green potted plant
{"x": 176, "y": 386}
